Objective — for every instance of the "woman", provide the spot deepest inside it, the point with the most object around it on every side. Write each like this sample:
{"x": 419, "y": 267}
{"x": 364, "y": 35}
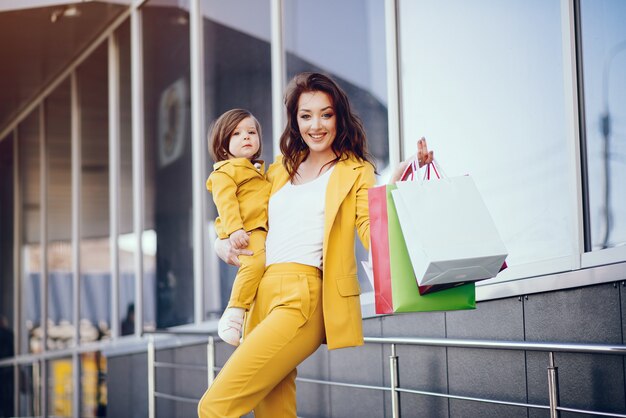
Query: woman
{"x": 318, "y": 198}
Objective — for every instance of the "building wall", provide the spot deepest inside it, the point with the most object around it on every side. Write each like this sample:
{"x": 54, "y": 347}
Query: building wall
{"x": 592, "y": 314}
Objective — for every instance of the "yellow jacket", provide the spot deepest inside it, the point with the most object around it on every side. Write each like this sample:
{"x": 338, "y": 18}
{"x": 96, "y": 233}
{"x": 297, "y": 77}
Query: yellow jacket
{"x": 241, "y": 193}
{"x": 346, "y": 209}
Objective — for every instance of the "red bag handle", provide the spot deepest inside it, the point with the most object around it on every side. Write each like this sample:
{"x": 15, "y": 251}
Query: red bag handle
{"x": 412, "y": 169}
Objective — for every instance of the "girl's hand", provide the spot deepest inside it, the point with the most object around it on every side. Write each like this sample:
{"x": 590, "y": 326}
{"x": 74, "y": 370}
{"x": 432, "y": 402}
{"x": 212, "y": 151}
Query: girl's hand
{"x": 227, "y": 253}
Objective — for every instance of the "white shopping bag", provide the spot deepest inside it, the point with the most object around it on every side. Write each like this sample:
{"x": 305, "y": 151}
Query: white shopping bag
{"x": 449, "y": 232}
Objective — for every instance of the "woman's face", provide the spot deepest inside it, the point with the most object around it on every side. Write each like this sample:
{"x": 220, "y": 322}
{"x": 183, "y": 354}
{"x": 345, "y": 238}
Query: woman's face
{"x": 317, "y": 122}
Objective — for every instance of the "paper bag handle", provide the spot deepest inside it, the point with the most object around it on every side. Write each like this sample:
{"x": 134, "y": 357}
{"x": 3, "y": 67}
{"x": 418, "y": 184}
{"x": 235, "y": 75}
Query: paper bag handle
{"x": 412, "y": 169}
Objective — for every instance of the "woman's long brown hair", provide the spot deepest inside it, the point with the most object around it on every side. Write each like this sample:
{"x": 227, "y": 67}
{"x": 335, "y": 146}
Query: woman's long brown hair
{"x": 350, "y": 141}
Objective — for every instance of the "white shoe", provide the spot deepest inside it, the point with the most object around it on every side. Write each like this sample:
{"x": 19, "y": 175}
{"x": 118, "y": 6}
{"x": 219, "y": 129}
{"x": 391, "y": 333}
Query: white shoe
{"x": 230, "y": 324}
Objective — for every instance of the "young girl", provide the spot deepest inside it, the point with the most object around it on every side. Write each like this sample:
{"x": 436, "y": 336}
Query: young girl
{"x": 309, "y": 293}
{"x": 240, "y": 192}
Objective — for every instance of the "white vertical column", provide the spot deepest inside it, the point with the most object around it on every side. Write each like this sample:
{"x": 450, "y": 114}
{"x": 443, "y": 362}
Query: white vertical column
{"x": 570, "y": 80}
{"x": 198, "y": 155}
{"x": 114, "y": 178}
{"x": 393, "y": 82}
{"x": 279, "y": 73}
{"x": 136, "y": 74}
{"x": 76, "y": 234}
{"x": 43, "y": 282}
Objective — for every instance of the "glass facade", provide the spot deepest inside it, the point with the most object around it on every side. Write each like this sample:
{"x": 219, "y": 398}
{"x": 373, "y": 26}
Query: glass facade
{"x": 29, "y": 157}
{"x": 95, "y": 251}
{"x": 238, "y": 74}
{"x": 60, "y": 387}
{"x": 498, "y": 89}
{"x": 361, "y": 71}
{"x": 492, "y": 103}
{"x": 603, "y": 36}
{"x": 127, "y": 251}
{"x": 167, "y": 237}
{"x": 60, "y": 286}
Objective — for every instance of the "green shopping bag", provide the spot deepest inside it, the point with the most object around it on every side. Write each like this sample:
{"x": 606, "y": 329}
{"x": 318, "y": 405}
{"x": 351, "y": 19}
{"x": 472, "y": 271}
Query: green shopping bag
{"x": 405, "y": 294}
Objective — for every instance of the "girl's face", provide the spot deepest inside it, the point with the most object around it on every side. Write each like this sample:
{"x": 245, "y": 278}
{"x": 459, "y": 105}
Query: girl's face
{"x": 317, "y": 122}
{"x": 244, "y": 141}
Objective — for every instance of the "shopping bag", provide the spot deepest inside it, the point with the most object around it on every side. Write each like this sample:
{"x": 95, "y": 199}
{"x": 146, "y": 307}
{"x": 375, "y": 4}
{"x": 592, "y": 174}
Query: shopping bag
{"x": 377, "y": 201}
{"x": 449, "y": 232}
{"x": 395, "y": 287}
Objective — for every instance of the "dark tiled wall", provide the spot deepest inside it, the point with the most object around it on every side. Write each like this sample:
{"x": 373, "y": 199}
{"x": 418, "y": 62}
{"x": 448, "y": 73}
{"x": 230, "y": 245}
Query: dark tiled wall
{"x": 594, "y": 314}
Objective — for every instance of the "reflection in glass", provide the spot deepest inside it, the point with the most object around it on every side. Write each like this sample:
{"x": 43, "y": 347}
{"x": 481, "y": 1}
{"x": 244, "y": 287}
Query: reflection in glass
{"x": 59, "y": 200}
{"x": 29, "y": 157}
{"x": 6, "y": 250}
{"x": 604, "y": 74}
{"x": 355, "y": 58}
{"x": 60, "y": 387}
{"x": 95, "y": 260}
{"x": 126, "y": 252}
{"x": 29, "y": 391}
{"x": 168, "y": 205}
{"x": 491, "y": 104}
{"x": 7, "y": 391}
{"x": 237, "y": 71}
{"x": 93, "y": 380}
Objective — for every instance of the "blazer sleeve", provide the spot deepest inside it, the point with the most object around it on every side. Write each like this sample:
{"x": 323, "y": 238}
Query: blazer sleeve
{"x": 362, "y": 222}
{"x": 224, "y": 190}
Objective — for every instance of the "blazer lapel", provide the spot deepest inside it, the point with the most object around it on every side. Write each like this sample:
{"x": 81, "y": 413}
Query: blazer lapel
{"x": 341, "y": 181}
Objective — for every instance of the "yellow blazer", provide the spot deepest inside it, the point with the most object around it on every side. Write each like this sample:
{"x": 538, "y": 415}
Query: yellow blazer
{"x": 241, "y": 193}
{"x": 346, "y": 209}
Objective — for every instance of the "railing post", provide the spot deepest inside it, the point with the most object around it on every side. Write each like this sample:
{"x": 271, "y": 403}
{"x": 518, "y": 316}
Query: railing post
{"x": 210, "y": 360}
{"x": 553, "y": 386}
{"x": 393, "y": 369}
{"x": 151, "y": 380}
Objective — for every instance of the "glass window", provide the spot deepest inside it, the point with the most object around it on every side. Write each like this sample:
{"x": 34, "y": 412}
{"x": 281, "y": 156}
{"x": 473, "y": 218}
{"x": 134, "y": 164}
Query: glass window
{"x": 95, "y": 259}
{"x": 93, "y": 383}
{"x": 7, "y": 392}
{"x": 30, "y": 393}
{"x": 59, "y": 200}
{"x": 60, "y": 387}
{"x": 30, "y": 191}
{"x": 237, "y": 71}
{"x": 126, "y": 239}
{"x": 487, "y": 93}
{"x": 356, "y": 59}
{"x": 167, "y": 238}
{"x": 7, "y": 275}
{"x": 604, "y": 77}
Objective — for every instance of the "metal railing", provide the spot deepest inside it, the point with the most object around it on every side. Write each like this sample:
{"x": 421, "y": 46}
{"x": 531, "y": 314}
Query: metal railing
{"x": 394, "y": 388}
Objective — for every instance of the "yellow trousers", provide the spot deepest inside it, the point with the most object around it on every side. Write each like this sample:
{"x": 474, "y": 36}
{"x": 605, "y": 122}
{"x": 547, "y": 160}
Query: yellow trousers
{"x": 284, "y": 326}
{"x": 250, "y": 272}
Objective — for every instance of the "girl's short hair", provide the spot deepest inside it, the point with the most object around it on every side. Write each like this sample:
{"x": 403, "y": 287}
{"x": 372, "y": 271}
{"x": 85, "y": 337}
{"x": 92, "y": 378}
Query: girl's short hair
{"x": 350, "y": 141}
{"x": 222, "y": 129}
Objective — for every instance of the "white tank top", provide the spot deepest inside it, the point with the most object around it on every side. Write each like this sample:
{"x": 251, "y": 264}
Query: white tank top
{"x": 296, "y": 223}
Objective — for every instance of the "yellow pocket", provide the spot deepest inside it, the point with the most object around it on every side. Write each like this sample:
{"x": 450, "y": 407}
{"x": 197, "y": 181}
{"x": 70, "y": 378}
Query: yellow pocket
{"x": 348, "y": 285}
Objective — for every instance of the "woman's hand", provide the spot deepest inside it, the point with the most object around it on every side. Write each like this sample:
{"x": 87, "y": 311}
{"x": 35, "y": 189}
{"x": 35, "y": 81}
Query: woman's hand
{"x": 423, "y": 157}
{"x": 227, "y": 253}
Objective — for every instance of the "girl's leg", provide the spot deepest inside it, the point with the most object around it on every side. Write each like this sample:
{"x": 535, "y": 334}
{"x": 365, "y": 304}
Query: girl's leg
{"x": 287, "y": 326}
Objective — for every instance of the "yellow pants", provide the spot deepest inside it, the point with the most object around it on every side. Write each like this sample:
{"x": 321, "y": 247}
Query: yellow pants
{"x": 284, "y": 326}
{"x": 250, "y": 272}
